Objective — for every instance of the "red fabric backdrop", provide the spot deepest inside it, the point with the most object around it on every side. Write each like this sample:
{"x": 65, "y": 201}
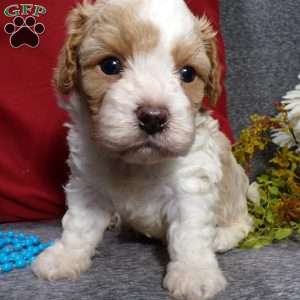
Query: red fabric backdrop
{"x": 211, "y": 10}
{"x": 32, "y": 140}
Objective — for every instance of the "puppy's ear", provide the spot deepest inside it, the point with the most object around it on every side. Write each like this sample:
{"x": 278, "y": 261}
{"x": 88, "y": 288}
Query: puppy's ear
{"x": 213, "y": 88}
{"x": 65, "y": 74}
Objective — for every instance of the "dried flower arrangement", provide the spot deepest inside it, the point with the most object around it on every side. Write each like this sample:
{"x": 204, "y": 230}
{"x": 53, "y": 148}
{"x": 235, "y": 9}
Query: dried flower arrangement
{"x": 274, "y": 199}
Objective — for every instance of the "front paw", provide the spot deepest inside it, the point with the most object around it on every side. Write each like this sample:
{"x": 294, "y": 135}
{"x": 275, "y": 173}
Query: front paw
{"x": 190, "y": 282}
{"x": 59, "y": 262}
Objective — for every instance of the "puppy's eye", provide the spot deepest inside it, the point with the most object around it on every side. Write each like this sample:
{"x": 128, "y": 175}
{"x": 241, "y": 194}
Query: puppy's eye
{"x": 188, "y": 74}
{"x": 111, "y": 66}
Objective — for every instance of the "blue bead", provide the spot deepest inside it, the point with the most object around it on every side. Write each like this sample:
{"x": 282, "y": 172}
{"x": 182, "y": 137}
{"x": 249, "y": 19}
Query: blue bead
{"x": 10, "y": 234}
{"x": 28, "y": 256}
{"x": 30, "y": 253}
{"x": 43, "y": 247}
{"x": 17, "y": 250}
{"x": 14, "y": 256}
{"x": 20, "y": 264}
{"x": 29, "y": 248}
{"x": 31, "y": 236}
{"x": 18, "y": 246}
{"x": 7, "y": 267}
{"x": 36, "y": 250}
{"x": 5, "y": 241}
{"x": 15, "y": 241}
{"x": 6, "y": 250}
{"x": 34, "y": 239}
{"x": 21, "y": 236}
{"x": 23, "y": 243}
{"x": 49, "y": 244}
{"x": 3, "y": 258}
{"x": 32, "y": 259}
{"x": 28, "y": 242}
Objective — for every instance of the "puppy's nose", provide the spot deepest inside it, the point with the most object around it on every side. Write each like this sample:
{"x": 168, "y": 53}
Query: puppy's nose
{"x": 152, "y": 119}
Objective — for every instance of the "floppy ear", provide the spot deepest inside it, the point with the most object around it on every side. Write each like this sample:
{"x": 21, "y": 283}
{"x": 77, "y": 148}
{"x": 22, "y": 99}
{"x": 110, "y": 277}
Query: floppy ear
{"x": 213, "y": 88}
{"x": 65, "y": 74}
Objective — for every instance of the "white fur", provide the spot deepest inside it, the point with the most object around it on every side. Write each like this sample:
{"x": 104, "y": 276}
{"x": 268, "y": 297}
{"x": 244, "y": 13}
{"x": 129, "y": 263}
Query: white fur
{"x": 163, "y": 14}
{"x": 176, "y": 198}
{"x": 184, "y": 198}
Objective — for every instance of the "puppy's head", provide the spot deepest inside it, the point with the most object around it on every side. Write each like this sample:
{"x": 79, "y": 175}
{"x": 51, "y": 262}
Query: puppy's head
{"x": 142, "y": 67}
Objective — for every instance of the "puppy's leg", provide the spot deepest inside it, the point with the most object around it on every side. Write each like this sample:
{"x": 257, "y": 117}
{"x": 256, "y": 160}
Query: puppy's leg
{"x": 193, "y": 272}
{"x": 234, "y": 228}
{"x": 229, "y": 236}
{"x": 83, "y": 226}
{"x": 234, "y": 222}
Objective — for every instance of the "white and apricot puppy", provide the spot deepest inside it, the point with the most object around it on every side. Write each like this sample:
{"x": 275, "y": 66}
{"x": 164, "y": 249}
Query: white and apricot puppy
{"x": 136, "y": 72}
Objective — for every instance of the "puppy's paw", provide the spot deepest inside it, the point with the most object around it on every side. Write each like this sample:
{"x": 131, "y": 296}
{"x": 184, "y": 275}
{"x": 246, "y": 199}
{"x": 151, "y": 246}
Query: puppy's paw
{"x": 190, "y": 282}
{"x": 228, "y": 237}
{"x": 59, "y": 262}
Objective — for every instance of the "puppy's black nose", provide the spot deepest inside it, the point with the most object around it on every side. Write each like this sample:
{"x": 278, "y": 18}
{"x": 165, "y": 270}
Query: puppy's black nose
{"x": 152, "y": 119}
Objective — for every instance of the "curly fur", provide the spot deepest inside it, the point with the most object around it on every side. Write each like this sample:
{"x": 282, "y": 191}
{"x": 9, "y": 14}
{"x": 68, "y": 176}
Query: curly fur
{"x": 186, "y": 187}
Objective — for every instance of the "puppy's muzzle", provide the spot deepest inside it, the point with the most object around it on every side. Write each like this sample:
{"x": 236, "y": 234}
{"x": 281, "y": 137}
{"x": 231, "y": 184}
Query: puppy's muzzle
{"x": 152, "y": 120}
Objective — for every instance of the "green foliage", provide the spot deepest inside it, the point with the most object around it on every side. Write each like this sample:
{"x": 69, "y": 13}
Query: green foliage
{"x": 277, "y": 215}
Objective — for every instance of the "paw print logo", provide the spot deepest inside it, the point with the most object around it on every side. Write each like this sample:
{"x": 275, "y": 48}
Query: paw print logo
{"x": 24, "y": 31}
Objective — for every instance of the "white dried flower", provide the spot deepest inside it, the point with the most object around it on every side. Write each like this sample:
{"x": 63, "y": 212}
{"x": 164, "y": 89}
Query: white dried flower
{"x": 253, "y": 193}
{"x": 291, "y": 103}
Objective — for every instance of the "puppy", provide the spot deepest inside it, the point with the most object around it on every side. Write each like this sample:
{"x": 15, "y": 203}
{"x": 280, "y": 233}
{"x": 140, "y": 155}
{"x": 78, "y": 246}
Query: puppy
{"x": 136, "y": 72}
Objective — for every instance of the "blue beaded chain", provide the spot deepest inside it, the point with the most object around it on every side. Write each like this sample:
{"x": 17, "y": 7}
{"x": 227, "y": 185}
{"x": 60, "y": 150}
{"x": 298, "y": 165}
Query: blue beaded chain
{"x": 18, "y": 250}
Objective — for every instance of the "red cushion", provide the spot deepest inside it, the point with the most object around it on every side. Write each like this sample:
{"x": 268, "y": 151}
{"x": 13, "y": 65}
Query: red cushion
{"x": 32, "y": 145}
{"x": 211, "y": 10}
